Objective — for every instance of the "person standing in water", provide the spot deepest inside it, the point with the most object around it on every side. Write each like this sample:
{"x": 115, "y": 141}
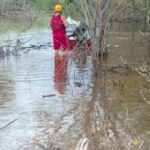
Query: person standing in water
{"x": 59, "y": 24}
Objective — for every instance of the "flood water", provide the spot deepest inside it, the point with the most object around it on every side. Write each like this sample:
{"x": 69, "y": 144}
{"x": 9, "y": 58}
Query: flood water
{"x": 50, "y": 102}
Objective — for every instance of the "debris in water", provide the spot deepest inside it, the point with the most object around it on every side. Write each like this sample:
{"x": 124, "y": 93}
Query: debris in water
{"x": 50, "y": 95}
{"x": 8, "y": 124}
{"x": 83, "y": 144}
{"x": 78, "y": 84}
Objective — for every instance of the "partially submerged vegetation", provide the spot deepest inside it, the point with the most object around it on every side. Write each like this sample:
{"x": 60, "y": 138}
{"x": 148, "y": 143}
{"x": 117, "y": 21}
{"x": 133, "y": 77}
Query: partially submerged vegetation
{"x": 108, "y": 15}
{"x": 100, "y": 16}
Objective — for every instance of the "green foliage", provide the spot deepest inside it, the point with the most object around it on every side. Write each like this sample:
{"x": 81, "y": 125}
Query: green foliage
{"x": 41, "y": 4}
{"x": 49, "y": 4}
{"x": 134, "y": 142}
{"x": 147, "y": 10}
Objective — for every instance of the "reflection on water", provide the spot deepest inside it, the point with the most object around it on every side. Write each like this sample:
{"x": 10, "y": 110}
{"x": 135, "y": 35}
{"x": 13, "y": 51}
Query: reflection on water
{"x": 6, "y": 92}
{"x": 108, "y": 109}
{"x": 61, "y": 72}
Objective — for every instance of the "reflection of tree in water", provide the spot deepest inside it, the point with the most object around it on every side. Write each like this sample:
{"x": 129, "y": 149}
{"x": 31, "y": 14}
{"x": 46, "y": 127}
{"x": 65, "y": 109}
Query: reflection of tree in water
{"x": 99, "y": 122}
{"x": 61, "y": 73}
{"x": 6, "y": 90}
{"x": 81, "y": 62}
{"x": 93, "y": 118}
{"x": 97, "y": 119}
{"x": 81, "y": 59}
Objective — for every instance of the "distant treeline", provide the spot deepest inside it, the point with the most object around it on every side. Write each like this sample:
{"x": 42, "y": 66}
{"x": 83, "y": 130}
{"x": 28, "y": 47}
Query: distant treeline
{"x": 41, "y": 4}
{"x": 133, "y": 13}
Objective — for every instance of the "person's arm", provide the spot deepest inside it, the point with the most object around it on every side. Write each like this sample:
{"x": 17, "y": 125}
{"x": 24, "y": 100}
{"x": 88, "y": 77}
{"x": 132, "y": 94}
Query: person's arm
{"x": 64, "y": 21}
{"x": 50, "y": 22}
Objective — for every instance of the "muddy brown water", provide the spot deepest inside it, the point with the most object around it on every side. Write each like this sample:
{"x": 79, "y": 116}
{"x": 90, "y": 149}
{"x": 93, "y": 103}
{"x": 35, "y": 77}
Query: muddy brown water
{"x": 50, "y": 102}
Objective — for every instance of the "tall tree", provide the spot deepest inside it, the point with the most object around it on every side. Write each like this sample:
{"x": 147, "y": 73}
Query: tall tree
{"x": 96, "y": 14}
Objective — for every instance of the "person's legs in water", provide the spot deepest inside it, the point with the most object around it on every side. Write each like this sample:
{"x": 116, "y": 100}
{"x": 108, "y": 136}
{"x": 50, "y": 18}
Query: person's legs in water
{"x": 57, "y": 44}
{"x": 64, "y": 44}
{"x": 60, "y": 42}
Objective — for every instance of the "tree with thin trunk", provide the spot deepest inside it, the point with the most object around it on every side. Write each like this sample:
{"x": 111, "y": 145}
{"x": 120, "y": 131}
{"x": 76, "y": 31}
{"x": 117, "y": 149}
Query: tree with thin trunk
{"x": 96, "y": 14}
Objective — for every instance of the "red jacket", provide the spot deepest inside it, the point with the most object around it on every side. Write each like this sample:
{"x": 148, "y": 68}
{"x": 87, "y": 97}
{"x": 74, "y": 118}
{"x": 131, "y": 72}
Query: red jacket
{"x": 57, "y": 24}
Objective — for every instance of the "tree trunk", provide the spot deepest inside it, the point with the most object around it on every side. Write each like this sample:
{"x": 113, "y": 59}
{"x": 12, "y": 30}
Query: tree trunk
{"x": 96, "y": 16}
{"x": 145, "y": 16}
